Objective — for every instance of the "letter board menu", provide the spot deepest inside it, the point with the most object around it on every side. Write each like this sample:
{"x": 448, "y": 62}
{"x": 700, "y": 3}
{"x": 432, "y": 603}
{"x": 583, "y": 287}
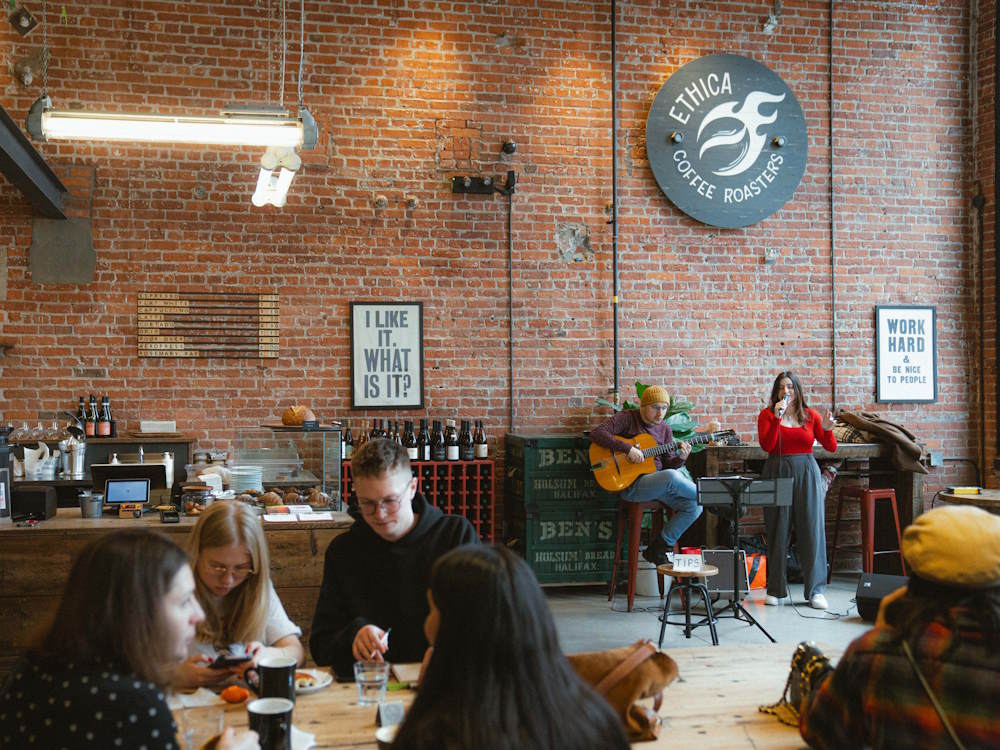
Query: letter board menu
{"x": 207, "y": 325}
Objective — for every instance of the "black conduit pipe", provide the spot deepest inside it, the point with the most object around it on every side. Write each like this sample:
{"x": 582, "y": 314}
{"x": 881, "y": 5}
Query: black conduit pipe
{"x": 614, "y": 190}
{"x": 833, "y": 239}
{"x": 510, "y": 300}
{"x": 996, "y": 221}
{"x": 979, "y": 201}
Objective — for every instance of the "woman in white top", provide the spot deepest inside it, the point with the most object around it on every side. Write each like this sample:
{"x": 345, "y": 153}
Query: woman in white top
{"x": 229, "y": 555}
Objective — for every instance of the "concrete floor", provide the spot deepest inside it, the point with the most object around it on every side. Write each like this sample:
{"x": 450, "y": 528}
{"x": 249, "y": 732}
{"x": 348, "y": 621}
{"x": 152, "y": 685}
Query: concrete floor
{"x": 587, "y": 621}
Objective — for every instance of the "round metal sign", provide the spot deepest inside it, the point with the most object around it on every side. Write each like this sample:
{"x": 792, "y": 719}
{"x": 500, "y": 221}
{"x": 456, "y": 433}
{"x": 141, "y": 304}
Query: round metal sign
{"x": 727, "y": 140}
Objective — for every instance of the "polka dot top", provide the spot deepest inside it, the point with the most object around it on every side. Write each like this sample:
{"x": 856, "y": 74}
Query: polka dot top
{"x": 76, "y": 709}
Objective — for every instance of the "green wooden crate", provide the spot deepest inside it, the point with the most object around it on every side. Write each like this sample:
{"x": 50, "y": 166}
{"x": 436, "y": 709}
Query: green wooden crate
{"x": 546, "y": 471}
{"x": 572, "y": 544}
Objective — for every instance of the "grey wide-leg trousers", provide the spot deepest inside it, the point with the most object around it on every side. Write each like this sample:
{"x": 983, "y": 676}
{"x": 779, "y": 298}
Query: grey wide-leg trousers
{"x": 808, "y": 511}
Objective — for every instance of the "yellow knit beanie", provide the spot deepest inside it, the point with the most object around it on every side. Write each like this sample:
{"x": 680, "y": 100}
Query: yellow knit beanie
{"x": 955, "y": 545}
{"x": 655, "y": 394}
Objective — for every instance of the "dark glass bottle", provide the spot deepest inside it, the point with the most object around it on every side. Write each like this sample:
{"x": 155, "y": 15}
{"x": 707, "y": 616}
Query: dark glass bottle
{"x": 104, "y": 419}
{"x": 397, "y": 435}
{"x": 423, "y": 442}
{"x": 81, "y": 411}
{"x": 362, "y": 438}
{"x": 90, "y": 428}
{"x": 466, "y": 451}
{"x": 438, "y": 450}
{"x": 347, "y": 441}
{"x": 479, "y": 441}
{"x": 374, "y": 431}
{"x": 410, "y": 441}
{"x": 383, "y": 431}
{"x": 451, "y": 439}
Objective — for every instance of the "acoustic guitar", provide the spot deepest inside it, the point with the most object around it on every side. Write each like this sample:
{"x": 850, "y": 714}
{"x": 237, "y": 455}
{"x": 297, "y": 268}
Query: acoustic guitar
{"x": 614, "y": 472}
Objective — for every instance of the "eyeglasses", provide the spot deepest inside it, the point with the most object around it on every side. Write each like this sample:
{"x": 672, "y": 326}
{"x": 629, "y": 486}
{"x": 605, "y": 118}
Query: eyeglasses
{"x": 239, "y": 572}
{"x": 390, "y": 504}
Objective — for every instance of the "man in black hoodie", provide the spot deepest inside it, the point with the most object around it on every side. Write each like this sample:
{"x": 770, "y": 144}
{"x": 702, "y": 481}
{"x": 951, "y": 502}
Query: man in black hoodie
{"x": 376, "y": 576}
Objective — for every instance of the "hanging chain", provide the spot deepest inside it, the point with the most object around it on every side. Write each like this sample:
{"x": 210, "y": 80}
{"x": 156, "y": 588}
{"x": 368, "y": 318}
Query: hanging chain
{"x": 270, "y": 66}
{"x": 45, "y": 50}
{"x": 302, "y": 47}
{"x": 284, "y": 48}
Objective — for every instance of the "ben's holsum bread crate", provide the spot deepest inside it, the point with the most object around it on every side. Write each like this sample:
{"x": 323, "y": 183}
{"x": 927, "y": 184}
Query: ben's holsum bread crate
{"x": 556, "y": 514}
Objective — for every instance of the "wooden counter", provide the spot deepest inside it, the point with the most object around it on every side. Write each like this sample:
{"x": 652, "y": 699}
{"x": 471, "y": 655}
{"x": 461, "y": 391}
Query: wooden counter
{"x": 35, "y": 562}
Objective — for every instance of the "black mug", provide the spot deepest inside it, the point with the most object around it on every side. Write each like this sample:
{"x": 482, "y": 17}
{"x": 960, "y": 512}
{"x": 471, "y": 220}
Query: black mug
{"x": 271, "y": 719}
{"x": 273, "y": 677}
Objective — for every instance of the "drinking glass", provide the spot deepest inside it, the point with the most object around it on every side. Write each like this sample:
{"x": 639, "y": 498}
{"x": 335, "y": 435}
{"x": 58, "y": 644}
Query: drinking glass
{"x": 371, "y": 677}
{"x": 199, "y": 725}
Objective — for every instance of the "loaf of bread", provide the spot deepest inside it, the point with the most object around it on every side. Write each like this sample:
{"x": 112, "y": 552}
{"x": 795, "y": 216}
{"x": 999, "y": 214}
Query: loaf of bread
{"x": 296, "y": 415}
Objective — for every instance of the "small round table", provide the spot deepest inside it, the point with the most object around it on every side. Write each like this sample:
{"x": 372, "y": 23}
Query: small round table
{"x": 687, "y": 582}
{"x": 986, "y": 499}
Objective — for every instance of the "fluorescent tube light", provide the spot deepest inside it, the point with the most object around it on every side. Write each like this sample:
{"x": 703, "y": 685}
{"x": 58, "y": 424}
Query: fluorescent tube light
{"x": 237, "y": 129}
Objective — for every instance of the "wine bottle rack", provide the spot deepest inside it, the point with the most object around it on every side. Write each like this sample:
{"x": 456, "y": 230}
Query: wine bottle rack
{"x": 464, "y": 488}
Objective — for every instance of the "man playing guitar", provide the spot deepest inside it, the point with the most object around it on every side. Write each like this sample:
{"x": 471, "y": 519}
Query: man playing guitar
{"x": 667, "y": 485}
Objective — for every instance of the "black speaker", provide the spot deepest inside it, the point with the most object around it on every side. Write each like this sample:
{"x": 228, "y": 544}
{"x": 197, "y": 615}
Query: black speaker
{"x": 34, "y": 502}
{"x": 871, "y": 589}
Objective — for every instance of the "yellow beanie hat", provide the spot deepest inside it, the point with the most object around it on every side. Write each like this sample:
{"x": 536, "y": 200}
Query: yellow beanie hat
{"x": 955, "y": 545}
{"x": 655, "y": 394}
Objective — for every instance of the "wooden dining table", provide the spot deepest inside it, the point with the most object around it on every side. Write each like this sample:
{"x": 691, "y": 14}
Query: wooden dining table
{"x": 713, "y": 704}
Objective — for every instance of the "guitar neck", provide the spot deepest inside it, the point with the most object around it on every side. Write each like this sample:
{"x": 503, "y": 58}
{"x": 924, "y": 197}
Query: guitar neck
{"x": 696, "y": 439}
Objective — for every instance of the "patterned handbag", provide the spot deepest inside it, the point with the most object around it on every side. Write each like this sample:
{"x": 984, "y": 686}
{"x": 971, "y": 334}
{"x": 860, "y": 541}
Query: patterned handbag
{"x": 809, "y": 668}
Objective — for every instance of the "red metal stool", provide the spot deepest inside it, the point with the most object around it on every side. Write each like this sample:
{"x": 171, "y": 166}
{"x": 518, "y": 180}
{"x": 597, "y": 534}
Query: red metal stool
{"x": 867, "y": 498}
{"x": 632, "y": 513}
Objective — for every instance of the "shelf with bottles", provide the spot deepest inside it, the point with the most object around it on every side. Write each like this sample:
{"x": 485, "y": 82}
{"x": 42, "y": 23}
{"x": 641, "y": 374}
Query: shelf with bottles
{"x": 464, "y": 488}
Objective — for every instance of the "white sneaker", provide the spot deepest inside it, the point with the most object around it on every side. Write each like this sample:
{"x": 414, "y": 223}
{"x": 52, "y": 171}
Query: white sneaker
{"x": 774, "y": 601}
{"x": 818, "y": 601}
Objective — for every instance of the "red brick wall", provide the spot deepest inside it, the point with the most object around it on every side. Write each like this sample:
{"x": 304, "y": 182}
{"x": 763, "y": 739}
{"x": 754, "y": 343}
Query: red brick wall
{"x": 408, "y": 93}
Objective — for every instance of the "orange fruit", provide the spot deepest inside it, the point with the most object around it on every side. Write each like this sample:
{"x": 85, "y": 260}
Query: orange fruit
{"x": 234, "y": 694}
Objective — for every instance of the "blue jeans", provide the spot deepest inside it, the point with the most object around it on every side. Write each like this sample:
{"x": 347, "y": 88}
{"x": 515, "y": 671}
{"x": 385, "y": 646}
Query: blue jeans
{"x": 674, "y": 490}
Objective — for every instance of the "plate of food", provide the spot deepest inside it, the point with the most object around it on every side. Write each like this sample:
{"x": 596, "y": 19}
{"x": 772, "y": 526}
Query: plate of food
{"x": 311, "y": 680}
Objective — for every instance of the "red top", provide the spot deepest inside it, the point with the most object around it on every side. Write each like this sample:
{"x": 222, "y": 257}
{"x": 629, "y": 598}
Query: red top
{"x": 794, "y": 440}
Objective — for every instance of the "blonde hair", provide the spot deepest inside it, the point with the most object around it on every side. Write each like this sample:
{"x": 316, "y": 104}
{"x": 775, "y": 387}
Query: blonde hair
{"x": 241, "y": 615}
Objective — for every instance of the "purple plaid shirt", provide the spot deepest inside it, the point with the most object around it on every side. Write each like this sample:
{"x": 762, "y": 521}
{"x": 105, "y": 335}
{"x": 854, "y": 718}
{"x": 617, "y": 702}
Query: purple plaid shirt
{"x": 874, "y": 698}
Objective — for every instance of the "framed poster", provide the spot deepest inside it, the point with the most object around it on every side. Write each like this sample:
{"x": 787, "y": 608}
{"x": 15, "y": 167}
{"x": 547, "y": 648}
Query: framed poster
{"x": 387, "y": 355}
{"x": 905, "y": 354}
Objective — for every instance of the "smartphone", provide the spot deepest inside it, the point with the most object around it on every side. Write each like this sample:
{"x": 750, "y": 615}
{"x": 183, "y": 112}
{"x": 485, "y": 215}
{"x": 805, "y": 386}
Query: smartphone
{"x": 222, "y": 661}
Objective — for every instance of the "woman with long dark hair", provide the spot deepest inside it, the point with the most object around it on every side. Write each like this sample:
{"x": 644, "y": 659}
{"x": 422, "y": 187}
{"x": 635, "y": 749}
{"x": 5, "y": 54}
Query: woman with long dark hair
{"x": 96, "y": 676}
{"x": 496, "y": 678}
{"x": 787, "y": 429}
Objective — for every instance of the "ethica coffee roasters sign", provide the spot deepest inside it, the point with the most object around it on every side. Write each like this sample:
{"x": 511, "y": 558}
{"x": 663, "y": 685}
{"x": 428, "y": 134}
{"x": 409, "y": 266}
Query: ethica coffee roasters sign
{"x": 727, "y": 140}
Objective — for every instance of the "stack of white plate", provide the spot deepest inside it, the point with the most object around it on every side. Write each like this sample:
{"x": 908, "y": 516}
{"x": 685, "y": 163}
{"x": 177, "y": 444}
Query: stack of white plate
{"x": 243, "y": 478}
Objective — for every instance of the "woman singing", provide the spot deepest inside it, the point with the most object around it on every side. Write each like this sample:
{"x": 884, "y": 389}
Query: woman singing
{"x": 786, "y": 429}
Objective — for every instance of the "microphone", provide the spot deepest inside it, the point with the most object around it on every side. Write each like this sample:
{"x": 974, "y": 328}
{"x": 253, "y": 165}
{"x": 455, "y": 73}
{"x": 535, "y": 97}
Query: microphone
{"x": 781, "y": 409}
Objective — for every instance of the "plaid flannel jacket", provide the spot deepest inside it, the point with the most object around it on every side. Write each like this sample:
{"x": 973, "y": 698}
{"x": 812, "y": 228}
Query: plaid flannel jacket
{"x": 874, "y": 699}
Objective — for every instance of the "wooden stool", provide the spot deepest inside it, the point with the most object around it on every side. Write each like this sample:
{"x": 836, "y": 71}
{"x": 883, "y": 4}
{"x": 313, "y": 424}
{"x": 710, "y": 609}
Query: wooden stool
{"x": 685, "y": 581}
{"x": 631, "y": 513}
{"x": 867, "y": 498}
